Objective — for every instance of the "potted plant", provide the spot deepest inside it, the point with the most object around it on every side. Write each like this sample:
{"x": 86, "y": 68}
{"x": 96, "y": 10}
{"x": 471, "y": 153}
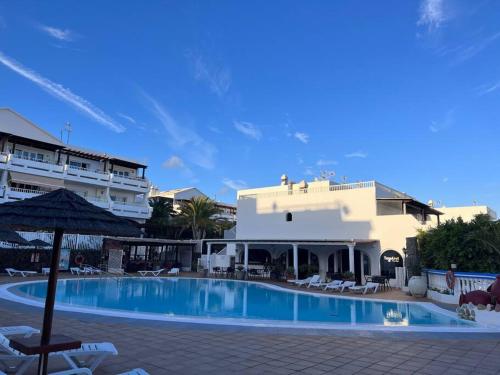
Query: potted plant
{"x": 417, "y": 284}
{"x": 348, "y": 276}
{"x": 240, "y": 272}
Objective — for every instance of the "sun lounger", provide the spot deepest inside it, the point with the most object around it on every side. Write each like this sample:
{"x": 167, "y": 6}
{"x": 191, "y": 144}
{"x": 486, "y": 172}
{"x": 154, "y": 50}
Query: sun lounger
{"x": 173, "y": 271}
{"x": 146, "y": 273}
{"x": 314, "y": 281}
{"x": 73, "y": 371}
{"x": 332, "y": 284}
{"x": 88, "y": 355}
{"x": 45, "y": 271}
{"x": 300, "y": 281}
{"x": 92, "y": 270}
{"x": 364, "y": 288}
{"x": 26, "y": 331}
{"x": 343, "y": 286}
{"x": 136, "y": 371}
{"x": 13, "y": 272}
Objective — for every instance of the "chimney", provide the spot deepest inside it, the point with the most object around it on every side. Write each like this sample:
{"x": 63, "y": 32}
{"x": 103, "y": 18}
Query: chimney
{"x": 284, "y": 180}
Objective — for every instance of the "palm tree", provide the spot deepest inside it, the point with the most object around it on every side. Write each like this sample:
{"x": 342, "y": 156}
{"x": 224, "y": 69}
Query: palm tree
{"x": 161, "y": 217}
{"x": 198, "y": 215}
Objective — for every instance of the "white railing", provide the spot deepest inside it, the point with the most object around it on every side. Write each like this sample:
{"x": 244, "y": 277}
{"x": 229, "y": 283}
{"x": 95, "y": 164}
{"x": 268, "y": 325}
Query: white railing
{"x": 70, "y": 241}
{"x": 464, "y": 281}
{"x": 98, "y": 171}
{"x": 17, "y": 157}
{"x": 337, "y": 187}
{"x": 27, "y": 191}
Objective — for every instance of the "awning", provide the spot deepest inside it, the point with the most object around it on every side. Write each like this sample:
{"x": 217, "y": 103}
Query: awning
{"x": 30, "y": 179}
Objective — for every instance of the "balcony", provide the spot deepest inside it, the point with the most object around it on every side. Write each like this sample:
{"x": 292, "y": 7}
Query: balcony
{"x": 95, "y": 177}
{"x": 135, "y": 210}
{"x": 36, "y": 167}
{"x": 15, "y": 163}
{"x": 15, "y": 194}
{"x": 138, "y": 184}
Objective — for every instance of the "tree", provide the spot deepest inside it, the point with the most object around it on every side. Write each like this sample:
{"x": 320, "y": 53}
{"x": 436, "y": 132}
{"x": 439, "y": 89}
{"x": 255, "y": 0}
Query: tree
{"x": 473, "y": 246}
{"x": 159, "y": 225}
{"x": 197, "y": 214}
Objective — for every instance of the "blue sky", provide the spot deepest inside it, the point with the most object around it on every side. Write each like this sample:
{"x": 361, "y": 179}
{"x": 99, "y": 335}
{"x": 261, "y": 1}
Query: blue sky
{"x": 224, "y": 95}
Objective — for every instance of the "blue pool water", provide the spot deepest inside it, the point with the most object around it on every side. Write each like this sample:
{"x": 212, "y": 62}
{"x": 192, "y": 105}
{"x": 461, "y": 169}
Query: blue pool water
{"x": 202, "y": 298}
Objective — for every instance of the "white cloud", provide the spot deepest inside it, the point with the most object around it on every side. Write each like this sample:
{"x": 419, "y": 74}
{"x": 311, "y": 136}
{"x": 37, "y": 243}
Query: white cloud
{"x": 488, "y": 88}
{"x": 357, "y": 154}
{"x": 445, "y": 179}
{"x": 309, "y": 171}
{"x": 218, "y": 78}
{"x": 215, "y": 129}
{"x": 173, "y": 162}
{"x": 432, "y": 14}
{"x": 249, "y": 129}
{"x": 445, "y": 123}
{"x": 127, "y": 117}
{"x": 59, "y": 34}
{"x": 196, "y": 149}
{"x": 303, "y": 137}
{"x": 63, "y": 94}
{"x": 234, "y": 184}
{"x": 323, "y": 162}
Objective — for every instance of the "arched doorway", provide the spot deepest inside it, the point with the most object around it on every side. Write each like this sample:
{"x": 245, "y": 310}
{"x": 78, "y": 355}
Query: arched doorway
{"x": 389, "y": 260}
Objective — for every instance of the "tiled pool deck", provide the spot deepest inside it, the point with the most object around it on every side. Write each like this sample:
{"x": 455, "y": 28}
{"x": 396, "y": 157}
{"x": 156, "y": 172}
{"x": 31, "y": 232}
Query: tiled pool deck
{"x": 173, "y": 348}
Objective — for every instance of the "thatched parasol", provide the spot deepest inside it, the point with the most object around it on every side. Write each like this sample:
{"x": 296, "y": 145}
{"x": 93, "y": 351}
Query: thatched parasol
{"x": 39, "y": 243}
{"x": 61, "y": 211}
{"x": 8, "y": 235}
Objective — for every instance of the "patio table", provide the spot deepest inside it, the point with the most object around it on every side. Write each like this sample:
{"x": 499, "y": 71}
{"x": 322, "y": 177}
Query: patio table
{"x": 31, "y": 345}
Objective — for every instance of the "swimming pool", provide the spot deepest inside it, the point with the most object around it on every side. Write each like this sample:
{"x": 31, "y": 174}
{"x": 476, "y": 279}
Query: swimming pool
{"x": 232, "y": 302}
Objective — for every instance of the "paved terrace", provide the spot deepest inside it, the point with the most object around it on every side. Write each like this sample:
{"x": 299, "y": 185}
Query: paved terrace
{"x": 175, "y": 348}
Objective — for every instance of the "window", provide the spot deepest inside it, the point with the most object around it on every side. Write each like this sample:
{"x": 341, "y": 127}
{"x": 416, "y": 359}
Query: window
{"x": 78, "y": 165}
{"x": 289, "y": 216}
{"x": 122, "y": 173}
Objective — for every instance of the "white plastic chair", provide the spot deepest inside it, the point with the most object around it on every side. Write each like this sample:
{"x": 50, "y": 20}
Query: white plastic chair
{"x": 364, "y": 288}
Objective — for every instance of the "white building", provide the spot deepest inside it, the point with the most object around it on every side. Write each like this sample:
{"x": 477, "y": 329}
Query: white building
{"x": 34, "y": 162}
{"x": 359, "y": 227}
{"x": 227, "y": 210}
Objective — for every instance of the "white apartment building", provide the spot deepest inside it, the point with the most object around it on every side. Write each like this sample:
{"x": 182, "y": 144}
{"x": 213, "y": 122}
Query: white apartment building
{"x": 34, "y": 162}
{"x": 227, "y": 210}
{"x": 357, "y": 227}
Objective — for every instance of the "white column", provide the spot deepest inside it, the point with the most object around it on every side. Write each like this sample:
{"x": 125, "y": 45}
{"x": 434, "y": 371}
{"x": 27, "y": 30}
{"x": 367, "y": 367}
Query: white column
{"x": 209, "y": 251}
{"x": 336, "y": 262}
{"x": 245, "y": 264}
{"x": 351, "y": 257}
{"x": 296, "y": 260}
{"x": 308, "y": 257}
{"x": 287, "y": 260}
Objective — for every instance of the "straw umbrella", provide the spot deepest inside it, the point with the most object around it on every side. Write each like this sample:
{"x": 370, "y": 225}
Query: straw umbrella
{"x": 38, "y": 243}
{"x": 8, "y": 235}
{"x": 61, "y": 211}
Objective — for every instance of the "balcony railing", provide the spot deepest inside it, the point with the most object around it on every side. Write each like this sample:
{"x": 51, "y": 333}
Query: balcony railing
{"x": 27, "y": 191}
{"x": 338, "y": 187}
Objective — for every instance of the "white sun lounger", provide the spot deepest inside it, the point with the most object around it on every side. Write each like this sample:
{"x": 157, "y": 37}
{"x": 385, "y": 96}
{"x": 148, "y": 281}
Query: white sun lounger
{"x": 13, "y": 272}
{"x": 341, "y": 287}
{"x": 92, "y": 270}
{"x": 301, "y": 281}
{"x": 89, "y": 355}
{"x": 364, "y": 288}
{"x": 26, "y": 331}
{"x": 151, "y": 273}
{"x": 73, "y": 371}
{"x": 174, "y": 271}
{"x": 136, "y": 371}
{"x": 332, "y": 284}
{"x": 314, "y": 281}
{"x": 45, "y": 271}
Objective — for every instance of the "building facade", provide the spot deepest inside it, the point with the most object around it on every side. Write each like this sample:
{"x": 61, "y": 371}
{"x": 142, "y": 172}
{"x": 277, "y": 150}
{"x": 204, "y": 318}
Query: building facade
{"x": 227, "y": 211}
{"x": 363, "y": 228}
{"x": 33, "y": 162}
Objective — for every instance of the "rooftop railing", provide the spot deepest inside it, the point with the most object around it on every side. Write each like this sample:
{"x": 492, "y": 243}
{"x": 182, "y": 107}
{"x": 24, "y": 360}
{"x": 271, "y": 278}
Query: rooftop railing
{"x": 336, "y": 187}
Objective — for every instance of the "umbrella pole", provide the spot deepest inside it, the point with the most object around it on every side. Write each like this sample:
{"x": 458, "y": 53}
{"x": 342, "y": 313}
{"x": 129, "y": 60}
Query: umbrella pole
{"x": 50, "y": 299}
